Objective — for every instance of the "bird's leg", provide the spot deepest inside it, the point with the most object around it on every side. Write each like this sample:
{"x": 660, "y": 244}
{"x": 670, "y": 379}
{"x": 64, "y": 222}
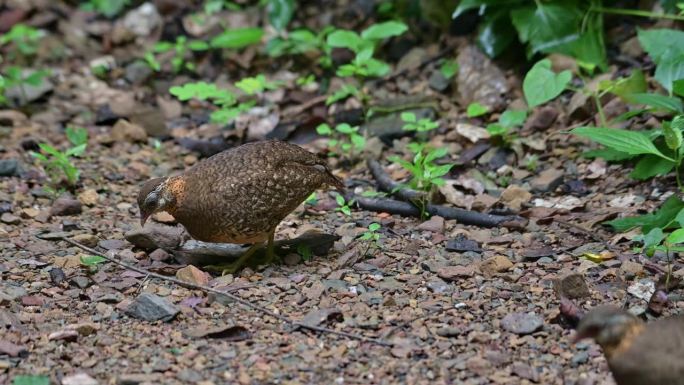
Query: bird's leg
{"x": 232, "y": 267}
{"x": 270, "y": 247}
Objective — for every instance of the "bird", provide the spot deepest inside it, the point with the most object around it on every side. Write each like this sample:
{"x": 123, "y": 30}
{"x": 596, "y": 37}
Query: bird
{"x": 638, "y": 353}
{"x": 239, "y": 195}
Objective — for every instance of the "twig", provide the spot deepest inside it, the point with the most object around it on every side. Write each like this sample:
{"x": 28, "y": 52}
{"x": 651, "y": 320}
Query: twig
{"x": 391, "y": 206}
{"x": 233, "y": 297}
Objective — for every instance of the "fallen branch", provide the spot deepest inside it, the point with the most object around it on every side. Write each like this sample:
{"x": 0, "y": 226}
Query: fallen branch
{"x": 232, "y": 297}
{"x": 467, "y": 217}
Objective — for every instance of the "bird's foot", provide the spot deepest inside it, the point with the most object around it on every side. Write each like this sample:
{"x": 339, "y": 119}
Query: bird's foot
{"x": 225, "y": 268}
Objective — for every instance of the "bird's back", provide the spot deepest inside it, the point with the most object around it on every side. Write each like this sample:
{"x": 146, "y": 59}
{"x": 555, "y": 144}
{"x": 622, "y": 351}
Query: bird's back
{"x": 240, "y": 194}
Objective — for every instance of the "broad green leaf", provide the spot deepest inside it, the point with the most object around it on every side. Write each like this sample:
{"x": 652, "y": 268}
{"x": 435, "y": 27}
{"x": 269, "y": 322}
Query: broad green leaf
{"x": 465, "y": 5}
{"x": 495, "y": 32}
{"x": 345, "y": 39}
{"x": 374, "y": 226}
{"x": 496, "y": 129}
{"x": 345, "y": 128}
{"x": 679, "y": 218}
{"x": 237, "y": 38}
{"x": 449, "y": 68}
{"x": 657, "y": 101}
{"x": 635, "y": 83}
{"x": 324, "y": 129}
{"x": 547, "y": 26}
{"x": 280, "y": 13}
{"x": 31, "y": 380}
{"x": 476, "y": 109}
{"x": 541, "y": 84}
{"x": 649, "y": 166}
{"x": 384, "y": 30}
{"x": 670, "y": 69}
{"x": 666, "y": 48}
{"x": 675, "y": 237}
{"x": 77, "y": 135}
{"x": 630, "y": 142}
{"x": 677, "y": 87}
{"x": 340, "y": 200}
{"x": 513, "y": 118}
{"x": 660, "y": 218}
{"x": 198, "y": 45}
{"x": 653, "y": 237}
{"x": 673, "y": 132}
{"x": 76, "y": 151}
{"x": 91, "y": 260}
{"x": 408, "y": 117}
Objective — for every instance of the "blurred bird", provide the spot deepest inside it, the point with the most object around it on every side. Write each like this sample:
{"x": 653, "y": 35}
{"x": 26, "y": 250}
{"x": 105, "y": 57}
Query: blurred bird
{"x": 239, "y": 195}
{"x": 638, "y": 353}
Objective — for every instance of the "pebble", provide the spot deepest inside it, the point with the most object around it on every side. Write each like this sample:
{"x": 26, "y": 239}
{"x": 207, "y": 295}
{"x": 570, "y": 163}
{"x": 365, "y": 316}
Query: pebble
{"x": 543, "y": 118}
{"x": 460, "y": 243}
{"x": 571, "y": 286}
{"x": 193, "y": 275}
{"x": 547, "y": 180}
{"x": 79, "y": 379}
{"x": 10, "y": 219}
{"x": 137, "y": 72}
{"x": 66, "y": 205}
{"x": 80, "y": 281}
{"x": 64, "y": 335}
{"x": 155, "y": 235}
{"x": 124, "y": 130}
{"x": 89, "y": 197}
{"x": 522, "y": 323}
{"x": 89, "y": 240}
{"x": 10, "y": 293}
{"x": 630, "y": 270}
{"x": 434, "y": 224}
{"x": 496, "y": 264}
{"x": 9, "y": 167}
{"x": 57, "y": 276}
{"x": 452, "y": 273}
{"x": 151, "y": 307}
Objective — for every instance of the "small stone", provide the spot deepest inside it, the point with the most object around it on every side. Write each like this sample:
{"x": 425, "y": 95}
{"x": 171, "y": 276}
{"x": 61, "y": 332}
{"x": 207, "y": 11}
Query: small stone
{"x": 123, "y": 130}
{"x": 57, "y": 276}
{"x": 32, "y": 300}
{"x": 452, "y": 273}
{"x": 438, "y": 286}
{"x": 142, "y": 21}
{"x": 9, "y": 167}
{"x": 64, "y": 335}
{"x": 525, "y": 371}
{"x": 496, "y": 264}
{"x": 10, "y": 293}
{"x": 112, "y": 244}
{"x": 12, "y": 350}
{"x": 543, "y": 118}
{"x": 138, "y": 378}
{"x": 580, "y": 358}
{"x": 449, "y": 331}
{"x": 84, "y": 328}
{"x": 522, "y": 323}
{"x": 69, "y": 225}
{"x": 89, "y": 197}
{"x": 514, "y": 196}
{"x": 547, "y": 180}
{"x": 29, "y": 213}
{"x": 163, "y": 217}
{"x": 193, "y": 275}
{"x": 438, "y": 82}
{"x": 10, "y": 219}
{"x": 159, "y": 255}
{"x": 66, "y": 205}
{"x": 292, "y": 259}
{"x": 79, "y": 379}
{"x": 630, "y": 270}
{"x": 5, "y": 207}
{"x": 434, "y": 224}
{"x": 80, "y": 281}
{"x": 460, "y": 244}
{"x": 137, "y": 72}
{"x": 89, "y": 240}
{"x": 155, "y": 235}
{"x": 571, "y": 286}
{"x": 151, "y": 307}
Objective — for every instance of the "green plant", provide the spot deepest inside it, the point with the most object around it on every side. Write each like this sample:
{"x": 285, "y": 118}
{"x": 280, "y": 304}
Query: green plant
{"x": 237, "y": 38}
{"x": 15, "y": 76}
{"x": 181, "y": 48}
{"x": 31, "y": 380}
{"x": 58, "y": 164}
{"x": 507, "y": 122}
{"x": 227, "y": 104}
{"x": 300, "y": 41}
{"x": 22, "y": 38}
{"x": 476, "y": 109}
{"x": 541, "y": 84}
{"x": 449, "y": 68}
{"x": 425, "y": 173}
{"x": 280, "y": 13}
{"x": 108, "y": 8}
{"x": 412, "y": 123}
{"x": 344, "y": 139}
{"x": 343, "y": 205}
{"x": 371, "y": 237}
{"x": 91, "y": 262}
{"x": 311, "y": 200}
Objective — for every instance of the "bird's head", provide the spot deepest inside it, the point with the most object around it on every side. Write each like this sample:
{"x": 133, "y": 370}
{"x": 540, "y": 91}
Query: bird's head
{"x": 154, "y": 196}
{"x": 607, "y": 325}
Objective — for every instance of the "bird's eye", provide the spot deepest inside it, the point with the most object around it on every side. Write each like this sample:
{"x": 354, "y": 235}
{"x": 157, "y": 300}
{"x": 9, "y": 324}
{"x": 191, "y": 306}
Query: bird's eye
{"x": 151, "y": 201}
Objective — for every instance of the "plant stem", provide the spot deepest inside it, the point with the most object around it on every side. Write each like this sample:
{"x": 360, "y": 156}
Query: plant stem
{"x": 636, "y": 12}
{"x": 669, "y": 269}
{"x": 599, "y": 108}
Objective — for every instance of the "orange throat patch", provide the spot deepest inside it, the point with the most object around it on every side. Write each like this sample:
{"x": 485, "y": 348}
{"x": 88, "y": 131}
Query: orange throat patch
{"x": 625, "y": 342}
{"x": 176, "y": 186}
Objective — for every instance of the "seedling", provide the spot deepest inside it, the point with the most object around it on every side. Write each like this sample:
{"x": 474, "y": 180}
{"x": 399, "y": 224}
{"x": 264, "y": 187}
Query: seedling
{"x": 14, "y": 76}
{"x": 22, "y": 38}
{"x": 58, "y": 164}
{"x": 507, "y": 121}
{"x": 371, "y": 237}
{"x": 91, "y": 262}
{"x": 228, "y": 107}
{"x": 182, "y": 47}
{"x": 476, "y": 109}
{"x": 344, "y": 139}
{"x": 449, "y": 68}
{"x": 343, "y": 205}
{"x": 311, "y": 200}
{"x": 417, "y": 125}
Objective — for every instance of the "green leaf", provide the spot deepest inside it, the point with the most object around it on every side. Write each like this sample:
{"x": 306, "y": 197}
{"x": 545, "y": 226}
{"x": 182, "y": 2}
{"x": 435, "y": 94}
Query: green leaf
{"x": 449, "y": 68}
{"x": 653, "y": 237}
{"x": 345, "y": 128}
{"x": 661, "y": 218}
{"x": 677, "y": 87}
{"x": 237, "y": 38}
{"x": 666, "y": 48}
{"x": 77, "y": 135}
{"x": 408, "y": 117}
{"x": 374, "y": 226}
{"x": 280, "y": 13}
{"x": 198, "y": 45}
{"x": 358, "y": 141}
{"x": 324, "y": 129}
{"x": 679, "y": 218}
{"x": 384, "y": 30}
{"x": 466, "y": 5}
{"x": 31, "y": 380}
{"x": 340, "y": 200}
{"x": 630, "y": 142}
{"x": 649, "y": 166}
{"x": 670, "y": 69}
{"x": 496, "y": 129}
{"x": 673, "y": 132}
{"x": 513, "y": 118}
{"x": 345, "y": 39}
{"x": 76, "y": 151}
{"x": 541, "y": 84}
{"x": 476, "y": 109}
{"x": 634, "y": 84}
{"x": 675, "y": 237}
{"x": 496, "y": 33}
{"x": 657, "y": 101}
{"x": 546, "y": 27}
{"x": 92, "y": 260}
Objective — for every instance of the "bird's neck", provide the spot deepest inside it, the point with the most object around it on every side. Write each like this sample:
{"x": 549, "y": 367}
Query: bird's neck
{"x": 175, "y": 186}
{"x": 622, "y": 344}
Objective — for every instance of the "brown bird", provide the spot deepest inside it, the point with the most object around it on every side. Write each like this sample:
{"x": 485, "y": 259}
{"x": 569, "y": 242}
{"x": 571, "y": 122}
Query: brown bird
{"x": 638, "y": 353}
{"x": 239, "y": 195}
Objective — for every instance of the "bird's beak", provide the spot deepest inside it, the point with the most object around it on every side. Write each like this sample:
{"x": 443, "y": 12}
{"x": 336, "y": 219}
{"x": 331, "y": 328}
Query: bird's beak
{"x": 143, "y": 219}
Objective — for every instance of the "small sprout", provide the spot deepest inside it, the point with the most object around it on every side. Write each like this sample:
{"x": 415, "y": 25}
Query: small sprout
{"x": 343, "y": 206}
{"x": 24, "y": 38}
{"x": 58, "y": 164}
{"x": 344, "y": 138}
{"x": 371, "y": 237}
{"x": 449, "y": 68}
{"x": 312, "y": 199}
{"x": 476, "y": 109}
{"x": 418, "y": 125}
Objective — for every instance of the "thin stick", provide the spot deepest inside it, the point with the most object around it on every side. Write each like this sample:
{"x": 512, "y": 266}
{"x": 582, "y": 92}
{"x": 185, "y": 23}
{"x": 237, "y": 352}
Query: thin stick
{"x": 230, "y": 296}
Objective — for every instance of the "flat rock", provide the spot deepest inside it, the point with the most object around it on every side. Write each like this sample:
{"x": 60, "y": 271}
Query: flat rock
{"x": 124, "y": 130}
{"x": 9, "y": 167}
{"x": 434, "y": 224}
{"x": 514, "y": 196}
{"x": 155, "y": 235}
{"x": 480, "y": 80}
{"x": 151, "y": 307}
{"x": 193, "y": 275}
{"x": 452, "y": 273}
{"x": 630, "y": 270}
{"x": 10, "y": 219}
{"x": 89, "y": 240}
{"x": 542, "y": 118}
{"x": 496, "y": 264}
{"x": 522, "y": 323}
{"x": 547, "y": 180}
{"x": 66, "y": 205}
{"x": 10, "y": 293}
{"x": 460, "y": 243}
{"x": 571, "y": 286}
